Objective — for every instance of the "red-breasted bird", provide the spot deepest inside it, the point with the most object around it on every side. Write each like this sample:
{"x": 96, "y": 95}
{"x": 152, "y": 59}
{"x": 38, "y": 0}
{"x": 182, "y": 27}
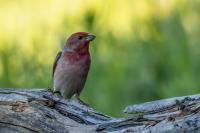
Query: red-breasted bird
{"x": 72, "y": 64}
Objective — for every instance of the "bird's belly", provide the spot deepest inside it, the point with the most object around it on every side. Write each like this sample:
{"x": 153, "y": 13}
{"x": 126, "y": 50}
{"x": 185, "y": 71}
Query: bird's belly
{"x": 69, "y": 79}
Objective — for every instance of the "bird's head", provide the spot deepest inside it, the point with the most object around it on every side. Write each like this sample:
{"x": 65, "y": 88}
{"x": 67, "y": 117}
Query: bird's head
{"x": 79, "y": 42}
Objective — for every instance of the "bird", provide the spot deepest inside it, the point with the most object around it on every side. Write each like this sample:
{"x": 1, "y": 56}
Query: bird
{"x": 71, "y": 65}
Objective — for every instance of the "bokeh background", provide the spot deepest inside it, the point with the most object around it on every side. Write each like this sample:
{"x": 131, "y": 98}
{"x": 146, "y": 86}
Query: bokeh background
{"x": 144, "y": 50}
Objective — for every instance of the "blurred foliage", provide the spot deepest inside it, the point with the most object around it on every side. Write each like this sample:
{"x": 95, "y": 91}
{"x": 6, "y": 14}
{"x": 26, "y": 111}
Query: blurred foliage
{"x": 145, "y": 49}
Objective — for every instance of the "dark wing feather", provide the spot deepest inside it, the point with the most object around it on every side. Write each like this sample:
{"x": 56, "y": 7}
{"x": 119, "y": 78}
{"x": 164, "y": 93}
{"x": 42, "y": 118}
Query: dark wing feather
{"x": 56, "y": 61}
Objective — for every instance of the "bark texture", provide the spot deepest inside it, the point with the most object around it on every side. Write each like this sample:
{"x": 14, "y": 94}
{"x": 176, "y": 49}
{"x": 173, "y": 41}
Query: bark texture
{"x": 39, "y": 111}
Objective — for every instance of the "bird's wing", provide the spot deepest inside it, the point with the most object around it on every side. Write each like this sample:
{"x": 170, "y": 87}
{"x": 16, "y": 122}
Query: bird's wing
{"x": 56, "y": 61}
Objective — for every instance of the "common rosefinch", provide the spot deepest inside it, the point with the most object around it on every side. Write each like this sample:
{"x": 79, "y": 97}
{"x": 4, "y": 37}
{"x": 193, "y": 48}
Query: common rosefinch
{"x": 72, "y": 64}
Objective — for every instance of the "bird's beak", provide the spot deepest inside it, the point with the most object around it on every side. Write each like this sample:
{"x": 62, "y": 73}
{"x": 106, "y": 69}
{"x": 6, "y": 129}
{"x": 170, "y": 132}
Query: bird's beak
{"x": 90, "y": 37}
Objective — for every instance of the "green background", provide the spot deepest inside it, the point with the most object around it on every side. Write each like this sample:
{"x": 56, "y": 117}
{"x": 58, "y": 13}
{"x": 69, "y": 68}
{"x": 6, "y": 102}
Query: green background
{"x": 144, "y": 50}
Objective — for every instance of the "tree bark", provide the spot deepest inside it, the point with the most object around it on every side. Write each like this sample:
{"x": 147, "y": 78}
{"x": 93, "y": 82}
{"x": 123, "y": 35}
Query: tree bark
{"x": 39, "y": 111}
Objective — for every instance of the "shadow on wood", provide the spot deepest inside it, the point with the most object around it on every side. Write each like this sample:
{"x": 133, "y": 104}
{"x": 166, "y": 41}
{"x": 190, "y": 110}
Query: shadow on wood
{"x": 39, "y": 111}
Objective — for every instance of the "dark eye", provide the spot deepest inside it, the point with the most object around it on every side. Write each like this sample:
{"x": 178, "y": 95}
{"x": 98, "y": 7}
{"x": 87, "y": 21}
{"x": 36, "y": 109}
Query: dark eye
{"x": 80, "y": 37}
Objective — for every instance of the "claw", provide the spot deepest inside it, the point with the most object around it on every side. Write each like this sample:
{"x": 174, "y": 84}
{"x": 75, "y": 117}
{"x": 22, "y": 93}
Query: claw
{"x": 81, "y": 101}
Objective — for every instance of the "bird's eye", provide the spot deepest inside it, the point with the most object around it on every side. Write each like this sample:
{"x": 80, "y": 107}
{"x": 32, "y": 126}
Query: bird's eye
{"x": 80, "y": 37}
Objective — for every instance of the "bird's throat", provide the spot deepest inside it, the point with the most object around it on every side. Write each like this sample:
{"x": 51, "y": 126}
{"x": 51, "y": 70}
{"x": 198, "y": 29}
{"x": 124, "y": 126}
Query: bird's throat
{"x": 81, "y": 56}
{"x": 84, "y": 51}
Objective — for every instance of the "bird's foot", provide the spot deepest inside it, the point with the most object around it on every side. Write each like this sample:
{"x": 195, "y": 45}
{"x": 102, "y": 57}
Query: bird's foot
{"x": 49, "y": 88}
{"x": 82, "y": 102}
{"x": 57, "y": 93}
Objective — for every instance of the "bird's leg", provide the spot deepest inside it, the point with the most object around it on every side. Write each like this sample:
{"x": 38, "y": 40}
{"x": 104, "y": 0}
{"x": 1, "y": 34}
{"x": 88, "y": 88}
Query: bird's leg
{"x": 81, "y": 101}
{"x": 57, "y": 93}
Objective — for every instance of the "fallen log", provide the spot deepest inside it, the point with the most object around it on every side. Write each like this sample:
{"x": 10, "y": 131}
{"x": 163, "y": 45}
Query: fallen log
{"x": 39, "y": 111}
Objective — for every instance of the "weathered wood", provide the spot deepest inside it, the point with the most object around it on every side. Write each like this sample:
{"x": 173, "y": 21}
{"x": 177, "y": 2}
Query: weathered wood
{"x": 39, "y": 111}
